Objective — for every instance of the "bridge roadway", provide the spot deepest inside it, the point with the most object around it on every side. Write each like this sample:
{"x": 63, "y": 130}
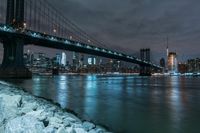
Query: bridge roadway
{"x": 44, "y": 40}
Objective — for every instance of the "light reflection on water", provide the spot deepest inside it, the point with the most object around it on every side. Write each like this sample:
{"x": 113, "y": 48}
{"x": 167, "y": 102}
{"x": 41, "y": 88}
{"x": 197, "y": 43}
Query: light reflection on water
{"x": 126, "y": 103}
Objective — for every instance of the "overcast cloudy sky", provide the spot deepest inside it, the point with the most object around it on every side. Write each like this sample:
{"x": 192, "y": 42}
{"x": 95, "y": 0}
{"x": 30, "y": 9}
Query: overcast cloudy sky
{"x": 133, "y": 24}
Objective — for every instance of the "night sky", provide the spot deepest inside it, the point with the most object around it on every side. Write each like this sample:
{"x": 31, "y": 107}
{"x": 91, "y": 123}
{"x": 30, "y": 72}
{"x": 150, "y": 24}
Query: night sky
{"x": 128, "y": 25}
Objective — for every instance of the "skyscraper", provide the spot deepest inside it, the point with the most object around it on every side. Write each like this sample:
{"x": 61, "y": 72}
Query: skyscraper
{"x": 172, "y": 62}
{"x": 63, "y": 59}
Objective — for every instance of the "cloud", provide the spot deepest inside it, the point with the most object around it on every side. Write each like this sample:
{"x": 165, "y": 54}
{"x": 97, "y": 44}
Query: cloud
{"x": 128, "y": 25}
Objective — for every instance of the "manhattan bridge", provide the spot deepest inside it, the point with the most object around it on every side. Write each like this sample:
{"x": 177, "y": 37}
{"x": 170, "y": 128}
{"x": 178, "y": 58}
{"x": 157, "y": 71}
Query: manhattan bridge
{"x": 39, "y": 23}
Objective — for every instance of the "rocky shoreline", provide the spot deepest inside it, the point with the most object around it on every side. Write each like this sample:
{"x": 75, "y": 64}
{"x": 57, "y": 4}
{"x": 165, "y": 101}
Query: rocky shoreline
{"x": 22, "y": 112}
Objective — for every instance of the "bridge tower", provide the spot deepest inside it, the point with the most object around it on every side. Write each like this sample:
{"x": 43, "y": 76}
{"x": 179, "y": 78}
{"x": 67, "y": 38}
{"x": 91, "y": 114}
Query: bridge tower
{"x": 13, "y": 62}
{"x": 145, "y": 56}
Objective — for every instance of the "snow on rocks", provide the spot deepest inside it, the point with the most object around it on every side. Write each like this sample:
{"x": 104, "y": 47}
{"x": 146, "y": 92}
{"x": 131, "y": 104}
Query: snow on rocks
{"x": 88, "y": 125}
{"x": 22, "y": 112}
{"x": 24, "y": 123}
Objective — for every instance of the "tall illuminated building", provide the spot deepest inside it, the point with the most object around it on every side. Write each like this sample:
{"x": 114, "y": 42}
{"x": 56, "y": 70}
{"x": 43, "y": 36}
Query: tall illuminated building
{"x": 63, "y": 59}
{"x": 172, "y": 62}
{"x": 92, "y": 61}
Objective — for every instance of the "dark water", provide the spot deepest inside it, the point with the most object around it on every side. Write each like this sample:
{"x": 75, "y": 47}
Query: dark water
{"x": 129, "y": 104}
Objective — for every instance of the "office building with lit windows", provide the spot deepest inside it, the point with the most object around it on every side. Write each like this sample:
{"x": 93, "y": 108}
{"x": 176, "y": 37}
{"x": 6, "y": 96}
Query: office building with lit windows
{"x": 172, "y": 62}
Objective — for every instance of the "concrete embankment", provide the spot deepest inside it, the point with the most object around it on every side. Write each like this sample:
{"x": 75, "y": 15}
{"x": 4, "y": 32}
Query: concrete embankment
{"x": 22, "y": 112}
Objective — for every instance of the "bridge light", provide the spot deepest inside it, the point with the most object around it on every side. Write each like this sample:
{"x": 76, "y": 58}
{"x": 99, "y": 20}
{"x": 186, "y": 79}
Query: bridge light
{"x": 54, "y": 30}
{"x": 70, "y": 37}
{"x": 67, "y": 42}
{"x": 97, "y": 49}
{"x": 25, "y": 25}
{"x": 89, "y": 41}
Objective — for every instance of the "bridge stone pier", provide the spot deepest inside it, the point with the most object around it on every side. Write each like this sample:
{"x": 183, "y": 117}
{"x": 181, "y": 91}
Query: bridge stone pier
{"x": 145, "y": 56}
{"x": 13, "y": 64}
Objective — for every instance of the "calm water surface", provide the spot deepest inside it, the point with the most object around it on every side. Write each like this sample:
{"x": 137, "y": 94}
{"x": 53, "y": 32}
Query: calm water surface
{"x": 129, "y": 104}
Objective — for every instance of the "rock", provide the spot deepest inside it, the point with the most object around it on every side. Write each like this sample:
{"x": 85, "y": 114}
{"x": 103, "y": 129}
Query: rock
{"x": 1, "y": 111}
{"x": 100, "y": 129}
{"x": 12, "y": 101}
{"x": 77, "y": 125}
{"x": 24, "y": 124}
{"x": 88, "y": 125}
{"x": 80, "y": 130}
{"x": 9, "y": 106}
{"x": 28, "y": 107}
{"x": 66, "y": 123}
{"x": 22, "y": 113}
{"x": 61, "y": 130}
{"x": 56, "y": 122}
{"x": 41, "y": 114}
{"x": 49, "y": 129}
{"x": 2, "y": 129}
{"x": 70, "y": 130}
{"x": 71, "y": 120}
{"x": 92, "y": 131}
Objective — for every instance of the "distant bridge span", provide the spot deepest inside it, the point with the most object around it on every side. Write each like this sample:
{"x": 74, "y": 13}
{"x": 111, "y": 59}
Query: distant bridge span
{"x": 37, "y": 22}
{"x": 44, "y": 40}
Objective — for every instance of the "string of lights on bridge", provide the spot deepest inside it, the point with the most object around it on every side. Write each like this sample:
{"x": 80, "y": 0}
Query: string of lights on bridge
{"x": 51, "y": 25}
{"x": 68, "y": 42}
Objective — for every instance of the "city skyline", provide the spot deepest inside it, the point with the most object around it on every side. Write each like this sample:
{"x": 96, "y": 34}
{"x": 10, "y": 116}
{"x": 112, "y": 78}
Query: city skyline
{"x": 150, "y": 23}
{"x": 134, "y": 24}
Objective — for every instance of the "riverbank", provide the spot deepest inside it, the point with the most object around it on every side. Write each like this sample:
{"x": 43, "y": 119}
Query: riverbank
{"x": 22, "y": 112}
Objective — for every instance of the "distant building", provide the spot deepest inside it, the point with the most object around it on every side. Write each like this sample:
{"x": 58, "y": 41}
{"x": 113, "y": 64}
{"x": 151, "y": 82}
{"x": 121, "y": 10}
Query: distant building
{"x": 162, "y": 62}
{"x": 63, "y": 59}
{"x": 145, "y": 54}
{"x": 39, "y": 60}
{"x": 172, "y": 62}
{"x": 92, "y": 61}
{"x": 193, "y": 65}
{"x": 82, "y": 60}
{"x": 182, "y": 67}
{"x": 58, "y": 58}
{"x": 75, "y": 60}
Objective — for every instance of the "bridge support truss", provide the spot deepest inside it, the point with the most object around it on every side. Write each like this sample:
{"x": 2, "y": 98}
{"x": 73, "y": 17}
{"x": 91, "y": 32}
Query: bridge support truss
{"x": 145, "y": 56}
{"x": 13, "y": 62}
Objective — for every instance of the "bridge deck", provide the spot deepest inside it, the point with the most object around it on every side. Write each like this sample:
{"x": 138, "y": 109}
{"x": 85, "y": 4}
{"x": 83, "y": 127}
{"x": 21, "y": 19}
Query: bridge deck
{"x": 44, "y": 40}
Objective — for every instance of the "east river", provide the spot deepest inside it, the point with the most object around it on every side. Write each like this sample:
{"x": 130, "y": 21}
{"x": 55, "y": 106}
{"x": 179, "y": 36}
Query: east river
{"x": 125, "y": 104}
